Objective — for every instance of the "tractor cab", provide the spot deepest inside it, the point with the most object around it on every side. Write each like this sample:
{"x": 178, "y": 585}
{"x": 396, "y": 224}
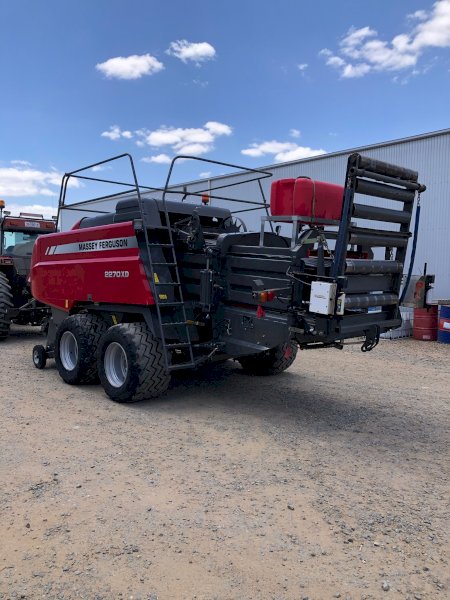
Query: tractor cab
{"x": 18, "y": 235}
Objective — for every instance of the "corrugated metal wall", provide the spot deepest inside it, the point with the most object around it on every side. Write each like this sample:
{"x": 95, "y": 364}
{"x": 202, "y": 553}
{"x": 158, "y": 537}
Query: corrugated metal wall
{"x": 428, "y": 154}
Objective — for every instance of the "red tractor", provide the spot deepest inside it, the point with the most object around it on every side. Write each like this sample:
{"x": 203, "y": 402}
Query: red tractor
{"x": 158, "y": 285}
{"x": 17, "y": 238}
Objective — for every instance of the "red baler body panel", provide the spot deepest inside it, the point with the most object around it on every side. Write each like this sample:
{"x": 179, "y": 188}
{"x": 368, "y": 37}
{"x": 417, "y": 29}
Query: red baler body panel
{"x": 305, "y": 197}
{"x": 96, "y": 264}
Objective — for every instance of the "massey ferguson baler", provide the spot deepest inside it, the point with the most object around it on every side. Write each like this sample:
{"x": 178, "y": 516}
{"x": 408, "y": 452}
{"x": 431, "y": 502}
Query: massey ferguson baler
{"x": 159, "y": 285}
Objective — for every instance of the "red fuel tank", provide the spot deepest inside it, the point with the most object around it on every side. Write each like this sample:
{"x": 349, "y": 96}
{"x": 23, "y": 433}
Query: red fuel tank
{"x": 317, "y": 199}
{"x": 282, "y": 197}
{"x": 304, "y": 197}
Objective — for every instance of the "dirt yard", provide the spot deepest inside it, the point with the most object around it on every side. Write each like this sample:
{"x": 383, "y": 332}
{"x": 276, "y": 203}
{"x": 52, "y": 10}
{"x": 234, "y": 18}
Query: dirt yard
{"x": 329, "y": 481}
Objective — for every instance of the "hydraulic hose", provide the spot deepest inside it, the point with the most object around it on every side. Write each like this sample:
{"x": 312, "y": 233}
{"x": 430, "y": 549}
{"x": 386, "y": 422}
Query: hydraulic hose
{"x": 413, "y": 252}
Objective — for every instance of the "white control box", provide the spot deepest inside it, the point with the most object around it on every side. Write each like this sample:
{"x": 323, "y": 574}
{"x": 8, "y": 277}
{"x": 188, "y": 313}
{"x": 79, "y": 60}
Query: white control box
{"x": 323, "y": 298}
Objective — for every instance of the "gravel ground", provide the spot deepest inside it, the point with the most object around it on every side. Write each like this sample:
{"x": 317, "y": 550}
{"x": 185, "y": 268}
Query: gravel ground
{"x": 328, "y": 481}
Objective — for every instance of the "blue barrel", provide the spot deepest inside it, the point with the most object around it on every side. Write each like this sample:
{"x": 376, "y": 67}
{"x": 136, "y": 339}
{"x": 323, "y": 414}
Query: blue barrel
{"x": 444, "y": 325}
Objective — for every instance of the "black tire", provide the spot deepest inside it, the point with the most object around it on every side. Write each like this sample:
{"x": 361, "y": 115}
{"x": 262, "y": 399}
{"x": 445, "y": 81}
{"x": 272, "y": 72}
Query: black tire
{"x": 39, "y": 357}
{"x": 5, "y": 304}
{"x": 83, "y": 332}
{"x": 271, "y": 362}
{"x": 131, "y": 363}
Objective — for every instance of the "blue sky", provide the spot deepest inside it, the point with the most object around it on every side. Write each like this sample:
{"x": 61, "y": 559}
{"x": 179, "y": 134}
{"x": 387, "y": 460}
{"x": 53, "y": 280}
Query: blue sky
{"x": 251, "y": 82}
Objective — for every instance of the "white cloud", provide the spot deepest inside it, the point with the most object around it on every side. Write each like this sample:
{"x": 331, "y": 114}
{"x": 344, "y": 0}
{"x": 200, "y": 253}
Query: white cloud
{"x": 354, "y": 38}
{"x": 272, "y": 147}
{"x": 195, "y": 149}
{"x": 17, "y": 182}
{"x": 21, "y": 163}
{"x": 189, "y": 51}
{"x": 160, "y": 159}
{"x": 98, "y": 168}
{"x": 302, "y": 67}
{"x": 419, "y": 15}
{"x": 130, "y": 67}
{"x": 190, "y": 140}
{"x": 40, "y": 209}
{"x": 217, "y": 129}
{"x": 336, "y": 61}
{"x": 115, "y": 133}
{"x": 435, "y": 31}
{"x": 205, "y": 174}
{"x": 200, "y": 82}
{"x": 361, "y": 51}
{"x": 281, "y": 151}
{"x": 295, "y": 133}
{"x": 355, "y": 70}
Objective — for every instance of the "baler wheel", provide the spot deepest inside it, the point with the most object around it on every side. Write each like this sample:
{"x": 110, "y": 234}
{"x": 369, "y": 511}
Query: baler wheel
{"x": 39, "y": 356}
{"x": 131, "y": 363}
{"x": 271, "y": 362}
{"x": 76, "y": 346}
{"x": 5, "y": 305}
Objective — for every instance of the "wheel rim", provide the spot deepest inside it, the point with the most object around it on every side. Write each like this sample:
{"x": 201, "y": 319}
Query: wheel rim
{"x": 36, "y": 357}
{"x": 116, "y": 364}
{"x": 68, "y": 351}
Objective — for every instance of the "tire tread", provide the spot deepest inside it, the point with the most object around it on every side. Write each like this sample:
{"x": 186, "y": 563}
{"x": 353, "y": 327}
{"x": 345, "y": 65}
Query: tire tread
{"x": 5, "y": 304}
{"x": 150, "y": 378}
{"x": 90, "y": 328}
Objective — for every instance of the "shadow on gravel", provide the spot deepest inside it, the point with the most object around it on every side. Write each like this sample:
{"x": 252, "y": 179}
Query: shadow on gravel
{"x": 292, "y": 403}
{"x": 288, "y": 399}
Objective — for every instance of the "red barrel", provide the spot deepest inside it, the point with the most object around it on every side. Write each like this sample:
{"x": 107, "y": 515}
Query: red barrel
{"x": 444, "y": 325}
{"x": 425, "y": 324}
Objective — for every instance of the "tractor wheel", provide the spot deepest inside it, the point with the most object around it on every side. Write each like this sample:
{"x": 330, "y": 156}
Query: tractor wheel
{"x": 76, "y": 346}
{"x": 5, "y": 305}
{"x": 271, "y": 362}
{"x": 131, "y": 363}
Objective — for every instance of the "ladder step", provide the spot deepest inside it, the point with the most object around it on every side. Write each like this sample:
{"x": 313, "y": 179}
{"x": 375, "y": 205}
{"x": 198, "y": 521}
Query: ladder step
{"x": 178, "y": 305}
{"x": 170, "y": 283}
{"x": 163, "y": 304}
